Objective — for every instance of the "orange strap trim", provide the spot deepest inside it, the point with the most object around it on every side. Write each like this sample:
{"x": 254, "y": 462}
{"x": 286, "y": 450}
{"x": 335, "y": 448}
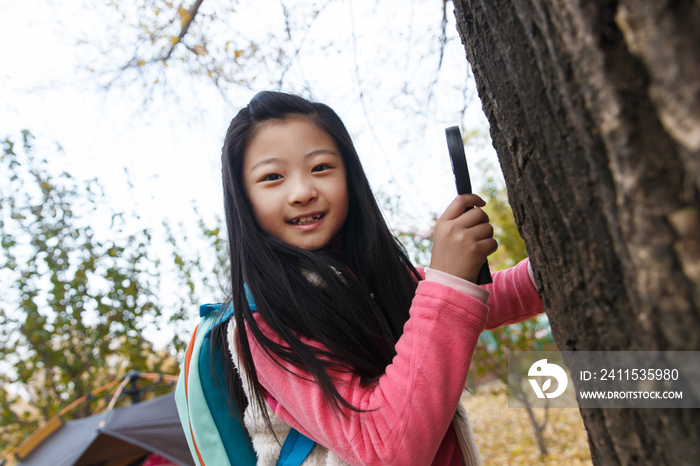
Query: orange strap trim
{"x": 188, "y": 357}
{"x": 201, "y": 461}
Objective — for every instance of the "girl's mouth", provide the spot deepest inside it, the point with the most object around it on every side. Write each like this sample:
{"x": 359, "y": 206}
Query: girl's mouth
{"x": 306, "y": 220}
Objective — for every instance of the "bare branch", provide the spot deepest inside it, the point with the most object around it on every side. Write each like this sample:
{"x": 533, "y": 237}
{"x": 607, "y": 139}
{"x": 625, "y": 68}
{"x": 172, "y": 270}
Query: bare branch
{"x": 393, "y": 178}
{"x": 191, "y": 13}
{"x": 443, "y": 44}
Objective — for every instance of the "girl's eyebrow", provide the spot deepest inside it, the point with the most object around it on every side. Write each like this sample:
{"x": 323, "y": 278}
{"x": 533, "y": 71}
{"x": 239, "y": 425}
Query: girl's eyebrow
{"x": 313, "y": 153}
{"x": 319, "y": 152}
{"x": 266, "y": 162}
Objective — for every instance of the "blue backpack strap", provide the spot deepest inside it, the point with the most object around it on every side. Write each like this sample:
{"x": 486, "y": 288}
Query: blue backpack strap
{"x": 295, "y": 449}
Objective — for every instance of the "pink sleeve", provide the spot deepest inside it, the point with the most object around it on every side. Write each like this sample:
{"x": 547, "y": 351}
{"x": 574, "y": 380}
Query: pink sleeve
{"x": 513, "y": 296}
{"x": 459, "y": 284}
{"x": 409, "y": 409}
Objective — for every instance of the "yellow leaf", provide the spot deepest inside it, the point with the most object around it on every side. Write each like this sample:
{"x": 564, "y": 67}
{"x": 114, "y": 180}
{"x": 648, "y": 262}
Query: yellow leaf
{"x": 174, "y": 39}
{"x": 184, "y": 15}
{"x": 142, "y": 62}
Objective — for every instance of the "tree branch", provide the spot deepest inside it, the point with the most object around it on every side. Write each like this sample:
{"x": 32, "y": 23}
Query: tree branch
{"x": 191, "y": 13}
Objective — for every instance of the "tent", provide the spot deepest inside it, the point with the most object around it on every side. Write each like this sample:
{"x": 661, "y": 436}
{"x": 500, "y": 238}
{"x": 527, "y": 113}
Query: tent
{"x": 116, "y": 437}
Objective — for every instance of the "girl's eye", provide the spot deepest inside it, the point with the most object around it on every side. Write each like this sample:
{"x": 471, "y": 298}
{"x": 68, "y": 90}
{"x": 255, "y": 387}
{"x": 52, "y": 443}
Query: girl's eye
{"x": 321, "y": 167}
{"x": 272, "y": 177}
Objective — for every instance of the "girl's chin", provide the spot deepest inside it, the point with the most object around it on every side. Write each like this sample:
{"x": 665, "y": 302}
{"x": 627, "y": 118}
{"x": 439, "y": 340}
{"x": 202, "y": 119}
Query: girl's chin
{"x": 308, "y": 244}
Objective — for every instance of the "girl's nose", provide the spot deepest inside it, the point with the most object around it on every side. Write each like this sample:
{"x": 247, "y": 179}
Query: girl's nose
{"x": 302, "y": 193}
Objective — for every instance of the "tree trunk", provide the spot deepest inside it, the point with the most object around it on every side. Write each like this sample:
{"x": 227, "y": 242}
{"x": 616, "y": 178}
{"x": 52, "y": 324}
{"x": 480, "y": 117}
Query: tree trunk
{"x": 594, "y": 108}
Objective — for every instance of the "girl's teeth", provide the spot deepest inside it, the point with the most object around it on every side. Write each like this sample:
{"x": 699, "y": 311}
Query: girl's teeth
{"x": 306, "y": 220}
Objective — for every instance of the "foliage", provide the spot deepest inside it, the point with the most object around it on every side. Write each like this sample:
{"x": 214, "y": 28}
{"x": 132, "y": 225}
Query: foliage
{"x": 201, "y": 263}
{"x": 503, "y": 433}
{"x": 76, "y": 308}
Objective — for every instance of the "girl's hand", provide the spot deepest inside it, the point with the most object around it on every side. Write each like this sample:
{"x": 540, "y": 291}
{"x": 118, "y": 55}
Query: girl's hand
{"x": 463, "y": 240}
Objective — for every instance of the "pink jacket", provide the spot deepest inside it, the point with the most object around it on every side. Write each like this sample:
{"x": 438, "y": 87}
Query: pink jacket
{"x": 409, "y": 409}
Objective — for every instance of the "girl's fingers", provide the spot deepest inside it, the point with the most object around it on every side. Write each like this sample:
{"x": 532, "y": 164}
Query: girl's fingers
{"x": 460, "y": 204}
{"x": 482, "y": 231}
{"x": 493, "y": 246}
{"x": 488, "y": 246}
{"x": 472, "y": 217}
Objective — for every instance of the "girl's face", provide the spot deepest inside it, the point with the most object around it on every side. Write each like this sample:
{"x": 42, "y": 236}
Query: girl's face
{"x": 295, "y": 179}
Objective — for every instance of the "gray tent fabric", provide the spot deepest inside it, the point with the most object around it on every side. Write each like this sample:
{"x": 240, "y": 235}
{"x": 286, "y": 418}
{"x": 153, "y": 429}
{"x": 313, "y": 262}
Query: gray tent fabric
{"x": 65, "y": 446}
{"x": 149, "y": 426}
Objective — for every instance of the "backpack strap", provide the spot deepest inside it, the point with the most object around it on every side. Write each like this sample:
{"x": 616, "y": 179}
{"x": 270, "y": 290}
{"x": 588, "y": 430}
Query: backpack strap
{"x": 182, "y": 400}
{"x": 215, "y": 436}
{"x": 233, "y": 433}
{"x": 295, "y": 449}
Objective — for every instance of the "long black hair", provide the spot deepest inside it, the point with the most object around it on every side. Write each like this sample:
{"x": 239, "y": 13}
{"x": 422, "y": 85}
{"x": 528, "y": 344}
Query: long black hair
{"x": 356, "y": 303}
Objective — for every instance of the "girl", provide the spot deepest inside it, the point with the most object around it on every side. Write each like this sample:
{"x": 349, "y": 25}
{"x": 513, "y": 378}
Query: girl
{"x": 348, "y": 342}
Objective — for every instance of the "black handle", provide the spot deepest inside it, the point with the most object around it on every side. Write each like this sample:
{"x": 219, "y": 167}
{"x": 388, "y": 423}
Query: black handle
{"x": 484, "y": 277}
{"x": 455, "y": 145}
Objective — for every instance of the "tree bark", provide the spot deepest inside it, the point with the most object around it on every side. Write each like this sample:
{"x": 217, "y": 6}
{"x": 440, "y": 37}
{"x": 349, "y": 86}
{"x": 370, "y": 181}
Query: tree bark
{"x": 594, "y": 109}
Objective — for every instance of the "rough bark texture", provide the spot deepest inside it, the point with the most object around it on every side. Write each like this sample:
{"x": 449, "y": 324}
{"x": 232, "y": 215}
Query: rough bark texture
{"x": 594, "y": 108}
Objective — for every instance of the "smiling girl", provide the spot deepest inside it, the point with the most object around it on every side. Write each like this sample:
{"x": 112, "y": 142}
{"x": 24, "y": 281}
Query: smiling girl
{"x": 348, "y": 342}
{"x": 295, "y": 180}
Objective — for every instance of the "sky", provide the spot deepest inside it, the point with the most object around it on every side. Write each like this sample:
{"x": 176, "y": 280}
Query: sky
{"x": 375, "y": 63}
